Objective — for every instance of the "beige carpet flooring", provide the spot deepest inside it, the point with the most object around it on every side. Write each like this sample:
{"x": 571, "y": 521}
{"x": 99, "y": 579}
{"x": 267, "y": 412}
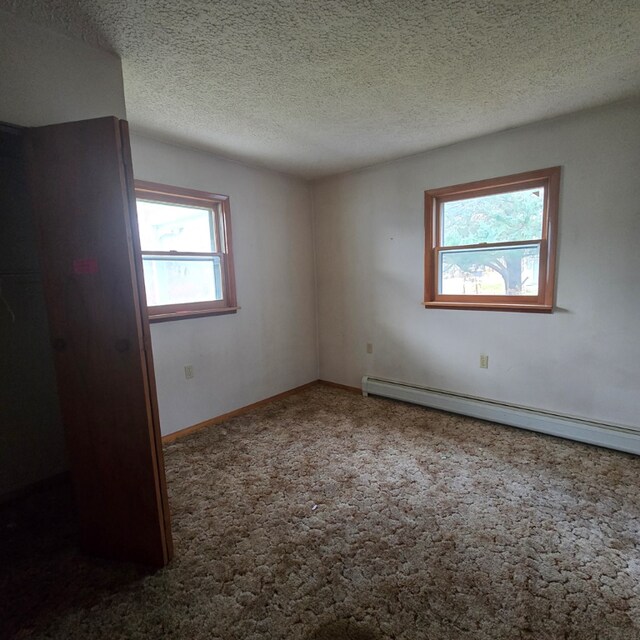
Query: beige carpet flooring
{"x": 331, "y": 516}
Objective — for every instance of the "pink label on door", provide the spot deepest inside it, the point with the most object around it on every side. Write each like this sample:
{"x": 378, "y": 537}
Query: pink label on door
{"x": 86, "y": 265}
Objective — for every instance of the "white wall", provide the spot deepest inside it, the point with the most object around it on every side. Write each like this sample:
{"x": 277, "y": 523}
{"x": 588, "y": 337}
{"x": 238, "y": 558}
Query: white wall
{"x": 269, "y": 345}
{"x": 583, "y": 360}
{"x": 44, "y": 78}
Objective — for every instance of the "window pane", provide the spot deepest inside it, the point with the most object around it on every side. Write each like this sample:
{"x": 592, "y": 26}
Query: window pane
{"x": 178, "y": 280}
{"x": 504, "y": 217}
{"x": 173, "y": 227}
{"x": 490, "y": 272}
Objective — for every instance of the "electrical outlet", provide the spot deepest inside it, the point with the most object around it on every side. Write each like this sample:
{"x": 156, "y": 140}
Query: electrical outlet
{"x": 188, "y": 372}
{"x": 484, "y": 362}
{"x": 369, "y": 347}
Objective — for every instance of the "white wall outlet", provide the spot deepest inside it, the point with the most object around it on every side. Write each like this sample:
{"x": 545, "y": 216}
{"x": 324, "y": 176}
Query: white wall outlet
{"x": 188, "y": 371}
{"x": 369, "y": 347}
{"x": 484, "y": 362}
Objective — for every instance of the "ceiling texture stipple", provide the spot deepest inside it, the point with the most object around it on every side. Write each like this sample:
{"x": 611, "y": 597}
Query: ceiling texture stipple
{"x": 320, "y": 87}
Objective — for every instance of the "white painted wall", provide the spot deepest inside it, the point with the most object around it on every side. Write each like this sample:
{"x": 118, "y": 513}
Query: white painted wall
{"x": 269, "y": 345}
{"x": 44, "y": 78}
{"x": 583, "y": 360}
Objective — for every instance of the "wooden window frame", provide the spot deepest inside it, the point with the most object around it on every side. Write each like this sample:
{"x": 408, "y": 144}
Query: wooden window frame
{"x": 434, "y": 198}
{"x": 219, "y": 204}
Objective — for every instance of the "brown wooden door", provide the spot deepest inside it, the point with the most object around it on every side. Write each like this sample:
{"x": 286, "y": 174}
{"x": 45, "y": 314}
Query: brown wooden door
{"x": 80, "y": 182}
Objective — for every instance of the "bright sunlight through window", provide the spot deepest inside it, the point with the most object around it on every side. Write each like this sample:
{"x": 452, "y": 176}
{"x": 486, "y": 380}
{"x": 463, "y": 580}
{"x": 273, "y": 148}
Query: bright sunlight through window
{"x": 184, "y": 240}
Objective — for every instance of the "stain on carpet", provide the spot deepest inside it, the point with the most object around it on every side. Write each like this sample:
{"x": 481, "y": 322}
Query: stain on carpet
{"x": 329, "y": 515}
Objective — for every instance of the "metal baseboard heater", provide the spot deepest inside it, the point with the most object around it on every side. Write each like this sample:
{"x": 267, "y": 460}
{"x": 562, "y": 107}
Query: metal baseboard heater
{"x": 612, "y": 436}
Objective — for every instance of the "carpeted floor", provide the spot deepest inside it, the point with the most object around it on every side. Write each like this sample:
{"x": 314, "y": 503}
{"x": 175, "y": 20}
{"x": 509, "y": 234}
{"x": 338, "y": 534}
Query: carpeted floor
{"x": 331, "y": 516}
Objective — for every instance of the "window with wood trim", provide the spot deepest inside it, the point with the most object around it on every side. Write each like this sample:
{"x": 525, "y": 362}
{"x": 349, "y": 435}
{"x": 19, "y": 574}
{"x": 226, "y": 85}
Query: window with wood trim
{"x": 491, "y": 244}
{"x": 185, "y": 241}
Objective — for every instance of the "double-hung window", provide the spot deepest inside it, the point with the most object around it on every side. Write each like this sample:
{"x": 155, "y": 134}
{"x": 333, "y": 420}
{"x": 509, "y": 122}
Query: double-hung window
{"x": 491, "y": 244}
{"x": 185, "y": 241}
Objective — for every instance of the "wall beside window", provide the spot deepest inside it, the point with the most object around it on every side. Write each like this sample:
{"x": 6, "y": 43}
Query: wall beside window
{"x": 269, "y": 345}
{"x": 584, "y": 359}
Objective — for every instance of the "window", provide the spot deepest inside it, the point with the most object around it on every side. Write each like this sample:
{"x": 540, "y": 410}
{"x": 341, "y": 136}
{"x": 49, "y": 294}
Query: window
{"x": 491, "y": 244}
{"x": 185, "y": 241}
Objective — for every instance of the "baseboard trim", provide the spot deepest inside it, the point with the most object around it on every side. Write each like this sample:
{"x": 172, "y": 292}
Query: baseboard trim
{"x": 612, "y": 436}
{"x": 344, "y": 387}
{"x": 171, "y": 437}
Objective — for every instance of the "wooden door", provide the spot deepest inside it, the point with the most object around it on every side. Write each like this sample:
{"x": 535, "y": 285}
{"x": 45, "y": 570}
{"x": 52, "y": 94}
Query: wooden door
{"x": 81, "y": 187}
{"x": 31, "y": 438}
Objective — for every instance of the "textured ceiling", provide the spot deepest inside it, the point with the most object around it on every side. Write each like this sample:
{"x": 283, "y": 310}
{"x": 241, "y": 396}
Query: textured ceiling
{"x": 319, "y": 87}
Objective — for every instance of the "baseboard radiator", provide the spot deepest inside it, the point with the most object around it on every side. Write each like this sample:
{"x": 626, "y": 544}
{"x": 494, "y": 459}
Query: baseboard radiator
{"x": 619, "y": 437}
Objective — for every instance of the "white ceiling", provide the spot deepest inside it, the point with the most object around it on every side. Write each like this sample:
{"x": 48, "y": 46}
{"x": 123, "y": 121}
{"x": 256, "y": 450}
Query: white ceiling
{"x": 319, "y": 87}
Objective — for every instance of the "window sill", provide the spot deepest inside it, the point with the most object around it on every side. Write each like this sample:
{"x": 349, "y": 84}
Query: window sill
{"x": 490, "y": 306}
{"x": 181, "y": 315}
